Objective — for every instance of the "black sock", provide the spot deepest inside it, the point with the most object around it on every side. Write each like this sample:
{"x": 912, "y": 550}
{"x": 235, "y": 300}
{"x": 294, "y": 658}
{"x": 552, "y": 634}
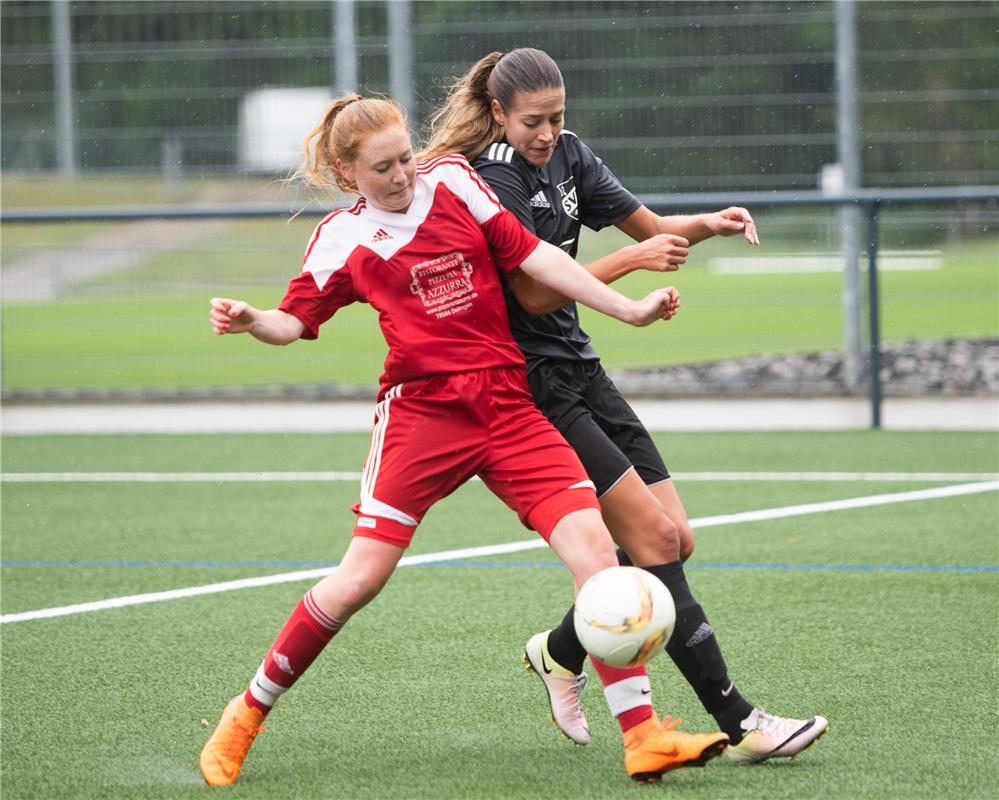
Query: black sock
{"x": 695, "y": 651}
{"x": 564, "y": 646}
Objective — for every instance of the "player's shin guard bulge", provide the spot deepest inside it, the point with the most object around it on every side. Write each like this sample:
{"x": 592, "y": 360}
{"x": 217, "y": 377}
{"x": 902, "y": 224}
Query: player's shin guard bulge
{"x": 563, "y": 687}
{"x": 223, "y": 755}
{"x": 653, "y": 747}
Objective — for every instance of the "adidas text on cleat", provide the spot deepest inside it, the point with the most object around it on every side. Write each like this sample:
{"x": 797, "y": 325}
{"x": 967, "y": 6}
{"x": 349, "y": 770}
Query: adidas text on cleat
{"x": 563, "y": 687}
{"x": 653, "y": 747}
{"x": 222, "y": 756}
{"x": 769, "y": 736}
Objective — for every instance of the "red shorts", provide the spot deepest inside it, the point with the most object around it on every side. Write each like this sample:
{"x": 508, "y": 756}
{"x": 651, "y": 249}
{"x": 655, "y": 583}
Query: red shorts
{"x": 432, "y": 435}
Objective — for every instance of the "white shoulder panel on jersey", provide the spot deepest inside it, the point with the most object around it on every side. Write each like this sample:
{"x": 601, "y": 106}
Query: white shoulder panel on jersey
{"x": 385, "y": 233}
{"x": 343, "y": 231}
{"x": 500, "y": 151}
{"x": 456, "y": 173}
{"x": 334, "y": 239}
{"x": 570, "y": 133}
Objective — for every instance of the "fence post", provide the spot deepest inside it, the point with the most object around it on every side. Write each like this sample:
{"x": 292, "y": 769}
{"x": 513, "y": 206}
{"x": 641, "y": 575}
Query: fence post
{"x": 62, "y": 54}
{"x": 874, "y": 301}
{"x": 848, "y": 153}
{"x": 400, "y": 53}
{"x": 344, "y": 47}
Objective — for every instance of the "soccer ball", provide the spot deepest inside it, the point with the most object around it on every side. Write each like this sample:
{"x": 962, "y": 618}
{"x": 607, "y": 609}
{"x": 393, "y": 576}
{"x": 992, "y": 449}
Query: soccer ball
{"x": 624, "y": 616}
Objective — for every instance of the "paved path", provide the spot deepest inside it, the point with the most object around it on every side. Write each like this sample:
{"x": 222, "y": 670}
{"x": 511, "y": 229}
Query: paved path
{"x": 49, "y": 272}
{"x": 331, "y": 416}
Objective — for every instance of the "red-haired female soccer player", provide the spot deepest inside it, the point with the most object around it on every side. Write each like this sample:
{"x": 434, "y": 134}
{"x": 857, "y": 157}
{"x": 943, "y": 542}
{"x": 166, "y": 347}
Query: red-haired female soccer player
{"x": 506, "y": 115}
{"x": 422, "y": 246}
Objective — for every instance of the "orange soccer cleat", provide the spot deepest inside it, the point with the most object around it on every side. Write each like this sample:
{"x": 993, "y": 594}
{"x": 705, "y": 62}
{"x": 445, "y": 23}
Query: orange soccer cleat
{"x": 653, "y": 747}
{"x": 223, "y": 754}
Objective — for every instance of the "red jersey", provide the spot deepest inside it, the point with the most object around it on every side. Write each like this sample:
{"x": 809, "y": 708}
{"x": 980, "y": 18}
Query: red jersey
{"x": 429, "y": 272}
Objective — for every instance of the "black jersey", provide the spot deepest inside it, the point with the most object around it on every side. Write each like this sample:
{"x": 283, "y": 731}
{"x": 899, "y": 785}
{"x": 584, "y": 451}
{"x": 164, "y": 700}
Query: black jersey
{"x": 573, "y": 189}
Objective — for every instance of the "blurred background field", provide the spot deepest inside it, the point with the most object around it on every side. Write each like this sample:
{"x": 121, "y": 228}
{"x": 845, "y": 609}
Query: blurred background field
{"x": 139, "y": 320}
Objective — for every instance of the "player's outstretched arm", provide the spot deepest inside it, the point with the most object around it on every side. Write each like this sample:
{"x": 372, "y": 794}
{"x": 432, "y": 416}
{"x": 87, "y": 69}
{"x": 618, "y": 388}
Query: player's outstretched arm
{"x": 662, "y": 252}
{"x": 643, "y": 224}
{"x": 272, "y": 326}
{"x": 554, "y": 268}
{"x": 662, "y": 246}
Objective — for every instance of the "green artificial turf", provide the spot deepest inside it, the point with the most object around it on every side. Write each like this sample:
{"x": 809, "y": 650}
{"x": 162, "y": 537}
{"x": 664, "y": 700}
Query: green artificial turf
{"x": 882, "y": 619}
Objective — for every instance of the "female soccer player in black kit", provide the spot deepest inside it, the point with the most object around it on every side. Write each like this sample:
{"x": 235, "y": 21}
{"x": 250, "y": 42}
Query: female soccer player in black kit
{"x": 506, "y": 115}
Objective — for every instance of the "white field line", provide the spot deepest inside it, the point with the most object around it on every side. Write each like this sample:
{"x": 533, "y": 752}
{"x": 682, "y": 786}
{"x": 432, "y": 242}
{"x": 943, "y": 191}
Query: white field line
{"x": 173, "y": 477}
{"x": 866, "y": 477}
{"x": 802, "y": 263}
{"x": 266, "y": 477}
{"x": 848, "y": 503}
{"x": 512, "y": 547}
{"x": 263, "y": 580}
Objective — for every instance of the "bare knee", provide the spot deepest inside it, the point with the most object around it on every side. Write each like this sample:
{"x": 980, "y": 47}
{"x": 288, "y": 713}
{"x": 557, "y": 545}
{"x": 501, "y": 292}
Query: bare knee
{"x": 583, "y": 543}
{"x": 667, "y": 537}
{"x": 685, "y": 534}
{"x": 357, "y": 592}
{"x": 596, "y": 546}
{"x": 653, "y": 538}
{"x": 343, "y": 594}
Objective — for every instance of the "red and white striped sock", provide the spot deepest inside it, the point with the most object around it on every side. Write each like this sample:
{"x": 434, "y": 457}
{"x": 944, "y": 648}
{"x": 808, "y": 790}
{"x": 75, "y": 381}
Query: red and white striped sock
{"x": 302, "y": 638}
{"x": 628, "y": 693}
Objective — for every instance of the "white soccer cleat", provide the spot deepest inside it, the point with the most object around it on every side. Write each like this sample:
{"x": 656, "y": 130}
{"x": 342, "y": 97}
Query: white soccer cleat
{"x": 563, "y": 687}
{"x": 769, "y": 736}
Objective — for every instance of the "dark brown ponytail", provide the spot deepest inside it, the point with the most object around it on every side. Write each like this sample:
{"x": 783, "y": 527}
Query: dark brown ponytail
{"x": 465, "y": 123}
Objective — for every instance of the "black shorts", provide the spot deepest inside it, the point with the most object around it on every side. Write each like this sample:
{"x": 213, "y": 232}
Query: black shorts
{"x": 586, "y": 406}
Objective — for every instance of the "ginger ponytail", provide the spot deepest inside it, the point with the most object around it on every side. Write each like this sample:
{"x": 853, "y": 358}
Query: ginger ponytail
{"x": 345, "y": 124}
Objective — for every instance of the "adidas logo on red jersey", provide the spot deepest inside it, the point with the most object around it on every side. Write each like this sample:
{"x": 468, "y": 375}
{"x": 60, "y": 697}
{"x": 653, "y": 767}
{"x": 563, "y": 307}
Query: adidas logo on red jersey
{"x": 381, "y": 235}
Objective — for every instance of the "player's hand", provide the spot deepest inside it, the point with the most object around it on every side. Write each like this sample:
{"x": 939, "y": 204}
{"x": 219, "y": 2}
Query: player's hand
{"x": 673, "y": 305}
{"x": 731, "y": 221}
{"x": 660, "y": 304}
{"x": 664, "y": 252}
{"x": 230, "y": 316}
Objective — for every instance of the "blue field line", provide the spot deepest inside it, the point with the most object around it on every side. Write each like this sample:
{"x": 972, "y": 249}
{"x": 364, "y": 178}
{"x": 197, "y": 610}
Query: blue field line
{"x": 778, "y": 566}
{"x": 713, "y": 565}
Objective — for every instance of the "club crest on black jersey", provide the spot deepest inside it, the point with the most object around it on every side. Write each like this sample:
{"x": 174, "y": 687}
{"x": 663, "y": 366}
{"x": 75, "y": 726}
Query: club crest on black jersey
{"x": 573, "y": 189}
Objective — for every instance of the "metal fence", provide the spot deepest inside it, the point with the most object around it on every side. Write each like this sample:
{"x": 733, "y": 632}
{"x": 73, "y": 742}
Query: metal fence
{"x": 676, "y": 96}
